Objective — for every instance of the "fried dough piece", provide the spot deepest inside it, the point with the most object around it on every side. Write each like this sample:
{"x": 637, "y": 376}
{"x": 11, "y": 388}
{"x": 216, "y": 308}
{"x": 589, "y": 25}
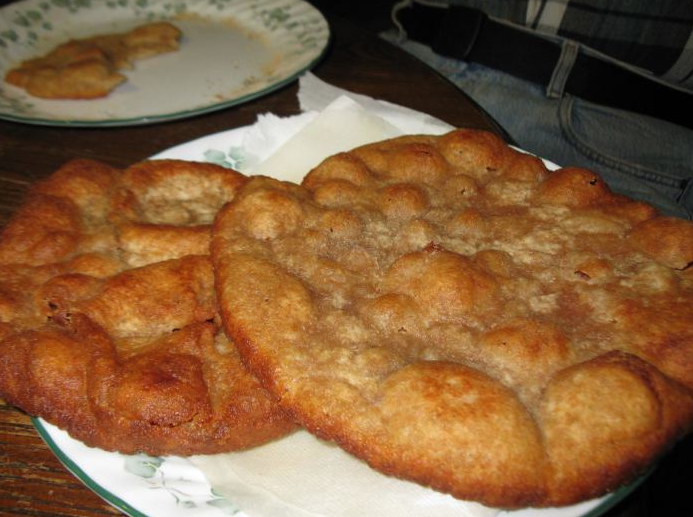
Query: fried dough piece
{"x": 89, "y": 68}
{"x": 448, "y": 310}
{"x": 109, "y": 325}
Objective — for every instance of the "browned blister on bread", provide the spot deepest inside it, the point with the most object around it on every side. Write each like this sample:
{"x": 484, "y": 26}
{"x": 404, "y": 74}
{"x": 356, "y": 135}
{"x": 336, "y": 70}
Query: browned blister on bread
{"x": 109, "y": 323}
{"x": 453, "y": 313}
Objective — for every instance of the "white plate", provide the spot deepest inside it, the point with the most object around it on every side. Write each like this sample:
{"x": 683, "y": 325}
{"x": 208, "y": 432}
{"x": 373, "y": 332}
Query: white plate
{"x": 143, "y": 486}
{"x": 231, "y": 51}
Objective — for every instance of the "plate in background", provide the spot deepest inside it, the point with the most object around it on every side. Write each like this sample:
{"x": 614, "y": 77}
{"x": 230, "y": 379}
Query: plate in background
{"x": 231, "y": 51}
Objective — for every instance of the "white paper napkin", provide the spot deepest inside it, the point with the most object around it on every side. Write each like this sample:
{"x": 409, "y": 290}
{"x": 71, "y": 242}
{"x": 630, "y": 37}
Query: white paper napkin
{"x": 333, "y": 120}
{"x": 315, "y": 95}
{"x": 342, "y": 125}
{"x": 301, "y": 476}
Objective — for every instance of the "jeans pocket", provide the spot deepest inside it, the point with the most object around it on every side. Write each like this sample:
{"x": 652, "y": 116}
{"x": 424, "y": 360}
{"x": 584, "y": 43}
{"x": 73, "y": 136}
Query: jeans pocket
{"x": 639, "y": 156}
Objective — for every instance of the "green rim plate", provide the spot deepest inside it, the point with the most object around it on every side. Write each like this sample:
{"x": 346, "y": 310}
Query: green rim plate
{"x": 232, "y": 51}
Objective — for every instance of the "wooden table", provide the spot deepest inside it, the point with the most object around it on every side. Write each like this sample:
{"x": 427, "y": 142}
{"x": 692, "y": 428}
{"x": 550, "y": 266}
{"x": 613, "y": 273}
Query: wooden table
{"x": 32, "y": 481}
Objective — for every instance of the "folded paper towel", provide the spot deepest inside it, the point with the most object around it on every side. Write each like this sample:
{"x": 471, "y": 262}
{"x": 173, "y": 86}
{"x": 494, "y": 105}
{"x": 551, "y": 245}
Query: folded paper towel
{"x": 333, "y": 120}
{"x": 342, "y": 125}
{"x": 301, "y": 476}
{"x": 317, "y": 95}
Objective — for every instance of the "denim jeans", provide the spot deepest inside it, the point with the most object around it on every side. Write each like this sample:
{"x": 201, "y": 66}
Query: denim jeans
{"x": 639, "y": 156}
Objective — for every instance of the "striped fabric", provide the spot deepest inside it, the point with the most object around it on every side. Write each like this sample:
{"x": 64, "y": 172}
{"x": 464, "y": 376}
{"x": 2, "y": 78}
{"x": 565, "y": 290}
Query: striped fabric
{"x": 653, "y": 35}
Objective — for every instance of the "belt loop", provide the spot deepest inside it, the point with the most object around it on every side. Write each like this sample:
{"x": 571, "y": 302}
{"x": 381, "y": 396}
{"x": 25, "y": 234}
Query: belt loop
{"x": 401, "y": 31}
{"x": 686, "y": 198}
{"x": 556, "y": 86}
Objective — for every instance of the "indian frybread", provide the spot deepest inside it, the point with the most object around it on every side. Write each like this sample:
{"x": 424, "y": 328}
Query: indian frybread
{"x": 109, "y": 325}
{"x": 90, "y": 68}
{"x": 453, "y": 313}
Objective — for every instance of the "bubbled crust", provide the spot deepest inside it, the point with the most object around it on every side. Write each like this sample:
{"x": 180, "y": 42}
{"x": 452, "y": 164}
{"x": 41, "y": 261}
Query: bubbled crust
{"x": 109, "y": 324}
{"x": 453, "y": 313}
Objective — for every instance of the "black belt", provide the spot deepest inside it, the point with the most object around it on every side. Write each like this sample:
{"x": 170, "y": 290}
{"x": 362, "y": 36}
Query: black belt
{"x": 468, "y": 34}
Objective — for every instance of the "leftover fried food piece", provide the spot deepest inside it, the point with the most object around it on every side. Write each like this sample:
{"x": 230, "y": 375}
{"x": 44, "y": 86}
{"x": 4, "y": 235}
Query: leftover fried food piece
{"x": 109, "y": 325}
{"x": 90, "y": 68}
{"x": 453, "y": 313}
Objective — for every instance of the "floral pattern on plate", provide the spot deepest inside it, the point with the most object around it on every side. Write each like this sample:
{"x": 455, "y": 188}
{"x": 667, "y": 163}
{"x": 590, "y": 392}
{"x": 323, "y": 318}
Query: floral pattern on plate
{"x": 232, "y": 51}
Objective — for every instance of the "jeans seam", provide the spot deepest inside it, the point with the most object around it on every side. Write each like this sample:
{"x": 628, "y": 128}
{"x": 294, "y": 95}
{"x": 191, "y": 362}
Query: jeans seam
{"x": 565, "y": 110}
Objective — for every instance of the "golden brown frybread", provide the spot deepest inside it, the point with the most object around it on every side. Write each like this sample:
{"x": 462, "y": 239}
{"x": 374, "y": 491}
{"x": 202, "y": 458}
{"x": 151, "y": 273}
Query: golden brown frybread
{"x": 453, "y": 313}
{"x": 89, "y": 68}
{"x": 109, "y": 325}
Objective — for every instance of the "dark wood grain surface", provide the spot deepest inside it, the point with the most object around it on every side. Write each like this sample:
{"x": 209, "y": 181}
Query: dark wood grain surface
{"x": 32, "y": 480}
